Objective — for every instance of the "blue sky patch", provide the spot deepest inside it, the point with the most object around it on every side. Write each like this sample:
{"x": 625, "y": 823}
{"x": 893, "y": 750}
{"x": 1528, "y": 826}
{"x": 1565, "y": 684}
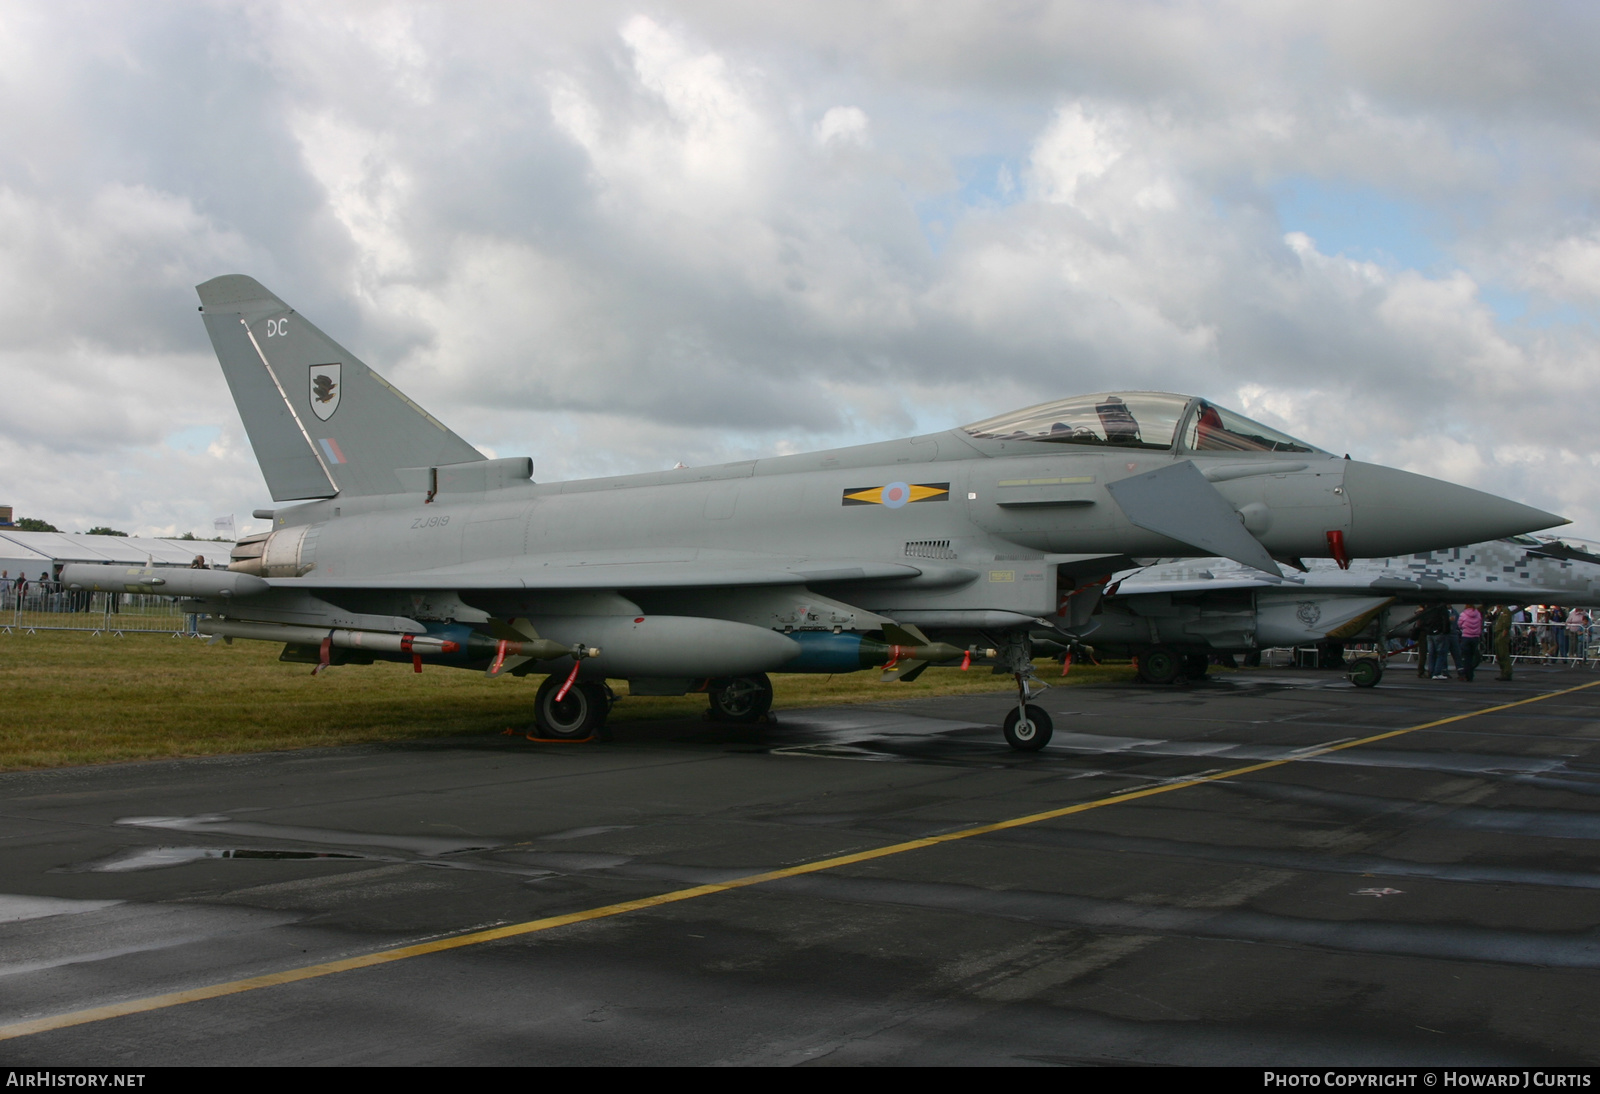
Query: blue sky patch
{"x": 195, "y": 439}
{"x": 1531, "y": 310}
{"x": 984, "y": 182}
{"x": 1363, "y": 223}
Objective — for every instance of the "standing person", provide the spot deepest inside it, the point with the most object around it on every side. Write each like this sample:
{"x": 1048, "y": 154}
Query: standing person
{"x": 1502, "y": 640}
{"x": 192, "y": 620}
{"x": 1578, "y": 634}
{"x": 1419, "y": 637}
{"x": 1470, "y": 621}
{"x": 1434, "y": 629}
{"x": 1558, "y": 624}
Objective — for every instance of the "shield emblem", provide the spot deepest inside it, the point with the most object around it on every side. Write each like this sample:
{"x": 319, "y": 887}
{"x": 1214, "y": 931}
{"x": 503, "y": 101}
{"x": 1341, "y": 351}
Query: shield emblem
{"x": 324, "y": 390}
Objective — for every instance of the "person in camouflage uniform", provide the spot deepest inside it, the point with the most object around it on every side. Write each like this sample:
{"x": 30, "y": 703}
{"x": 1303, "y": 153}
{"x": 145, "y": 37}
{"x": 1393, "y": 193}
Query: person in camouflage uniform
{"x": 1502, "y": 640}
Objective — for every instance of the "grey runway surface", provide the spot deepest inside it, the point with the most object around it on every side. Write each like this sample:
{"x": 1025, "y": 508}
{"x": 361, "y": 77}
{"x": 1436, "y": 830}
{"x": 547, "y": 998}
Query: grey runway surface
{"x": 1430, "y": 898}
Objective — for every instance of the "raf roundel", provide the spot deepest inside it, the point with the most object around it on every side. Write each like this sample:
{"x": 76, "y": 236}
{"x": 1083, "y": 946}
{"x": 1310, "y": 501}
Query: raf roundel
{"x": 896, "y": 495}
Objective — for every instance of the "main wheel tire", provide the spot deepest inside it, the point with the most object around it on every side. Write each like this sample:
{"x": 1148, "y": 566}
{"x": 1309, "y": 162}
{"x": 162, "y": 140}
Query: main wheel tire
{"x": 1195, "y": 666}
{"x": 1028, "y": 734}
{"x": 576, "y": 716}
{"x": 741, "y": 699}
{"x": 1364, "y": 672}
{"x": 1158, "y": 665}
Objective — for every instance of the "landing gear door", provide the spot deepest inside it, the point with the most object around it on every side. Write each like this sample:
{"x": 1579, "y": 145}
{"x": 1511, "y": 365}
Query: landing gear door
{"x": 1078, "y": 599}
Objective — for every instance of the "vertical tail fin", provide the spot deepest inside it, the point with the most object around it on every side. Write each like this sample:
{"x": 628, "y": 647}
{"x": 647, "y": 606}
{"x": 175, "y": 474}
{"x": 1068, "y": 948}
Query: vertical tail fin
{"x": 321, "y": 422}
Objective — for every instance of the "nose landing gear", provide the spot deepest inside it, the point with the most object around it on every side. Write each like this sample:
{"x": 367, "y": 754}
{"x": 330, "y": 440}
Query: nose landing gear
{"x": 1364, "y": 672}
{"x": 1027, "y": 728}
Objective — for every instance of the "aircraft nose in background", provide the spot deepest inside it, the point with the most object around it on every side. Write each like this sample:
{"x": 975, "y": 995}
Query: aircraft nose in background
{"x": 1395, "y": 512}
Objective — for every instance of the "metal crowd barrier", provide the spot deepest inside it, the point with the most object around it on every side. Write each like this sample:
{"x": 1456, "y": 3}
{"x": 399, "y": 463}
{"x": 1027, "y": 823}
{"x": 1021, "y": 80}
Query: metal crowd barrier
{"x": 45, "y": 609}
{"x": 1555, "y": 644}
{"x": 1531, "y": 644}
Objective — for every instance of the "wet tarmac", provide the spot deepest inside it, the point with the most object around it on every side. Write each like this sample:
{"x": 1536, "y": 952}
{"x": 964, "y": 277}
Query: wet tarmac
{"x": 1226, "y": 892}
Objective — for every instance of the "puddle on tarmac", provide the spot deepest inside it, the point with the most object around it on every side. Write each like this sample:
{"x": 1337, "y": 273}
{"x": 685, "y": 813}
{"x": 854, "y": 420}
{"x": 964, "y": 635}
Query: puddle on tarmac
{"x": 155, "y": 858}
{"x": 1549, "y": 823}
{"x": 216, "y": 822}
{"x": 592, "y": 830}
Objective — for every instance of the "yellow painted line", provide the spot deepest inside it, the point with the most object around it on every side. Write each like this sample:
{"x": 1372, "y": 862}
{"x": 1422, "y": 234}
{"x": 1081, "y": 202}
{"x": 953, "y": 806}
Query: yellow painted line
{"x": 494, "y": 934}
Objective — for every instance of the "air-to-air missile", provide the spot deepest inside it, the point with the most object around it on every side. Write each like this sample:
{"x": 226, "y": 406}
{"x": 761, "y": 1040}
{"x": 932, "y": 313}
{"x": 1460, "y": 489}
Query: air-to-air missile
{"x": 950, "y": 548}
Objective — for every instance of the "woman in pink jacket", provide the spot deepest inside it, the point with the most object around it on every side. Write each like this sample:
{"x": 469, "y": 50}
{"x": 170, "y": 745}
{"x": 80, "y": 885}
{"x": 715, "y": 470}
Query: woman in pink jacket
{"x": 1471, "y": 621}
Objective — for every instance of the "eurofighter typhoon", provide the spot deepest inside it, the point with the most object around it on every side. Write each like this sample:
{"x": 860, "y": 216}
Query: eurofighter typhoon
{"x": 395, "y": 539}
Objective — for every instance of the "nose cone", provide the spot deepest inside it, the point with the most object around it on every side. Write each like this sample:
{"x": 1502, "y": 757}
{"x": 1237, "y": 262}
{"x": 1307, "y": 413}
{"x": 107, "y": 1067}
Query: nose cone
{"x": 1395, "y": 512}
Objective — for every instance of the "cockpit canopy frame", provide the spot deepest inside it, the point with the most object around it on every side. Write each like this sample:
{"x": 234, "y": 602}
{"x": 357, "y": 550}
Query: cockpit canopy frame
{"x": 1151, "y": 420}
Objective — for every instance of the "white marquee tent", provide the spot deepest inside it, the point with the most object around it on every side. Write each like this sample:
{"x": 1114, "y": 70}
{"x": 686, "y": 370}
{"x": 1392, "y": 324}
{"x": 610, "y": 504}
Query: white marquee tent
{"x": 33, "y": 553}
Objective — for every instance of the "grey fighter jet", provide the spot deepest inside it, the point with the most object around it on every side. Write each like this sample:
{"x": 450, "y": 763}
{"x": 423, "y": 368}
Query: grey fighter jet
{"x": 1171, "y": 616}
{"x": 395, "y": 539}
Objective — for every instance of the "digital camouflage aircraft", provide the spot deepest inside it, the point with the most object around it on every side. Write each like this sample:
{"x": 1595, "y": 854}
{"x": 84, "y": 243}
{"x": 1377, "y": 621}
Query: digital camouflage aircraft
{"x": 1171, "y": 616}
{"x": 395, "y": 539}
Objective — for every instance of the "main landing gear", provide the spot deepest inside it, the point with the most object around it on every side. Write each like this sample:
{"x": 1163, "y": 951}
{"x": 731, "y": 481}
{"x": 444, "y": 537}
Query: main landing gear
{"x": 568, "y": 709}
{"x": 1158, "y": 665}
{"x": 575, "y": 716}
{"x": 1162, "y": 665}
{"x": 1367, "y": 670}
{"x": 740, "y": 699}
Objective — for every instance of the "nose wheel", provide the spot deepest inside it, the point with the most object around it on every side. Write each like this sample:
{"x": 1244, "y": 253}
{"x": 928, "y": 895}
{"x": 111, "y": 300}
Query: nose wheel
{"x": 1027, "y": 728}
{"x": 1364, "y": 672}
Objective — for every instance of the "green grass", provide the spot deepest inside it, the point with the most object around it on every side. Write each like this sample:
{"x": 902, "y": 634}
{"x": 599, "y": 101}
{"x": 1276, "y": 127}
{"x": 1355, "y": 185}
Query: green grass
{"x": 71, "y": 698}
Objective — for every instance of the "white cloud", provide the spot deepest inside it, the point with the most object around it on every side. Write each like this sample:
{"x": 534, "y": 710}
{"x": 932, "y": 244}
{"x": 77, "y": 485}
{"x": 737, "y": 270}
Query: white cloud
{"x": 842, "y": 125}
{"x": 618, "y": 240}
{"x": 1567, "y": 270}
{"x": 1076, "y": 149}
{"x": 702, "y": 150}
{"x": 366, "y": 189}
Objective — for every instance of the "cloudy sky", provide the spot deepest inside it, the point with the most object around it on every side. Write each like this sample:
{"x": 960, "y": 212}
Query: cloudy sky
{"x": 616, "y": 237}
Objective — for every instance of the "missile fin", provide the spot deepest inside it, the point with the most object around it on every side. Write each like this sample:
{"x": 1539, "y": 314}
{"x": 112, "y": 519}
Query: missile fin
{"x": 904, "y": 634}
{"x": 905, "y": 670}
{"x": 514, "y": 630}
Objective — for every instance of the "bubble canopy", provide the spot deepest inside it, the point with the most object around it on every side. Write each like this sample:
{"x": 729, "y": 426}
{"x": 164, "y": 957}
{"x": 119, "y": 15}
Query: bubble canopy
{"x": 1139, "y": 419}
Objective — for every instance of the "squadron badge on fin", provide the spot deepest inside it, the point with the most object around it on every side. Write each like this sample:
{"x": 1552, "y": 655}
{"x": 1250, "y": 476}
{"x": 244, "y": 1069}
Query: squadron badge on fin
{"x": 324, "y": 390}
